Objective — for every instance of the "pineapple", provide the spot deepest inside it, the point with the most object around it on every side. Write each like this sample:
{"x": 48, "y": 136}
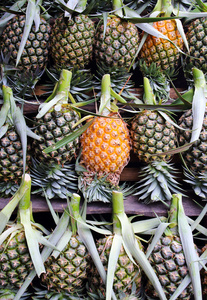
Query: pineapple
{"x": 20, "y": 240}
{"x": 164, "y": 53}
{"x": 168, "y": 258}
{"x": 195, "y": 157}
{"x": 14, "y": 155}
{"x": 55, "y": 120}
{"x": 72, "y": 39}
{"x": 117, "y": 44}
{"x": 116, "y": 250}
{"x": 127, "y": 275}
{"x": 192, "y": 132}
{"x": 67, "y": 267}
{"x": 67, "y": 272}
{"x": 153, "y": 134}
{"x": 105, "y": 144}
{"x": 54, "y": 173}
{"x": 35, "y": 54}
{"x": 196, "y": 36}
{"x": 15, "y": 261}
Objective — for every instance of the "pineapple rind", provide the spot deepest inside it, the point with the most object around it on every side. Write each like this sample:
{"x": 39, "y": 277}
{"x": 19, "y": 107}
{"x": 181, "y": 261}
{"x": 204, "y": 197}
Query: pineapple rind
{"x": 36, "y": 50}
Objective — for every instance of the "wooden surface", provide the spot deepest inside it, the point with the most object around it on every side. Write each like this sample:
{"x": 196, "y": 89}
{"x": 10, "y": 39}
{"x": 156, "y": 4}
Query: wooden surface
{"x": 131, "y": 203}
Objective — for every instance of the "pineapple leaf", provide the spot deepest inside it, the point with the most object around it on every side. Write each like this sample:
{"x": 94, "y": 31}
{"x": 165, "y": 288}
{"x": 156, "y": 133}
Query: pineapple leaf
{"x": 31, "y": 134}
{"x": 3, "y": 130}
{"x": 32, "y": 242}
{"x": 5, "y": 234}
{"x": 112, "y": 263}
{"x": 8, "y": 15}
{"x": 117, "y": 96}
{"x": 31, "y": 13}
{"x": 138, "y": 254}
{"x": 145, "y": 225}
{"x": 68, "y": 138}
{"x": 54, "y": 238}
{"x": 7, "y": 211}
{"x": 62, "y": 243}
{"x": 190, "y": 253}
{"x": 46, "y": 106}
{"x": 182, "y": 33}
{"x": 21, "y": 128}
{"x": 198, "y": 104}
{"x": 159, "y": 232}
{"x": 4, "y": 111}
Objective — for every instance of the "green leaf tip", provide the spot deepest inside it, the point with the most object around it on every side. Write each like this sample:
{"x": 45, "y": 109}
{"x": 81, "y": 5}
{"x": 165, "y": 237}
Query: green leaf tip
{"x": 199, "y": 78}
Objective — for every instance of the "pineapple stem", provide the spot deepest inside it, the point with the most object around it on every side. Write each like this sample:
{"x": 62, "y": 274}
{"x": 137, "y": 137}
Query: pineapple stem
{"x": 149, "y": 97}
{"x": 105, "y": 104}
{"x": 25, "y": 201}
{"x": 117, "y": 6}
{"x": 118, "y": 207}
{"x": 173, "y": 215}
{"x": 63, "y": 85}
{"x": 74, "y": 210}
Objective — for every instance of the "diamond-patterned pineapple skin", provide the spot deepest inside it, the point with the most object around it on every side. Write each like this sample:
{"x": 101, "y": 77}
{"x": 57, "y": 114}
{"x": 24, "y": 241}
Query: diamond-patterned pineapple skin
{"x": 15, "y": 261}
{"x": 162, "y": 51}
{"x": 117, "y": 45}
{"x": 168, "y": 261}
{"x": 11, "y": 157}
{"x": 35, "y": 53}
{"x": 152, "y": 134}
{"x": 197, "y": 40}
{"x": 196, "y": 156}
{"x": 125, "y": 271}
{"x": 106, "y": 145}
{"x": 204, "y": 276}
{"x": 53, "y": 126}
{"x": 72, "y": 41}
{"x": 69, "y": 271}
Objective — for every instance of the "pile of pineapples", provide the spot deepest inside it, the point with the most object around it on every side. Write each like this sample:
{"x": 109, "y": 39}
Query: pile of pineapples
{"x": 78, "y": 65}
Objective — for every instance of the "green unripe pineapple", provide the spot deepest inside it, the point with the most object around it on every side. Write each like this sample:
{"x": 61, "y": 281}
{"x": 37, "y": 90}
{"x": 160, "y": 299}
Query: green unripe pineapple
{"x": 197, "y": 40}
{"x": 196, "y": 156}
{"x": 116, "y": 45}
{"x": 35, "y": 54}
{"x": 68, "y": 271}
{"x": 72, "y": 41}
{"x": 15, "y": 261}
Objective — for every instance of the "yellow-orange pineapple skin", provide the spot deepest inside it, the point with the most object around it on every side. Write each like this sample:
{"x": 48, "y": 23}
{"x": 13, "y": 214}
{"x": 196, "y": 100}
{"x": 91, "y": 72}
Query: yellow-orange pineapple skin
{"x": 106, "y": 146}
{"x": 161, "y": 51}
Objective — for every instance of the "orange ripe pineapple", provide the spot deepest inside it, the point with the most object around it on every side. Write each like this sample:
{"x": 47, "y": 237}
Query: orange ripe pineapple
{"x": 162, "y": 51}
{"x": 106, "y": 145}
{"x": 105, "y": 150}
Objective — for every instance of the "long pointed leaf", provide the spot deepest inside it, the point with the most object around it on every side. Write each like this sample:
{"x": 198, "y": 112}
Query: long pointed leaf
{"x": 54, "y": 238}
{"x": 190, "y": 253}
{"x": 198, "y": 106}
{"x": 30, "y": 12}
{"x": 33, "y": 245}
{"x": 67, "y": 139}
{"x": 112, "y": 263}
{"x": 138, "y": 254}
